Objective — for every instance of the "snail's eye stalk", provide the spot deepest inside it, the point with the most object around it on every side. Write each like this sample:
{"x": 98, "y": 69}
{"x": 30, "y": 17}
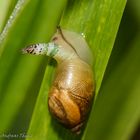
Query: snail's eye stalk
{"x": 36, "y": 49}
{"x": 49, "y": 49}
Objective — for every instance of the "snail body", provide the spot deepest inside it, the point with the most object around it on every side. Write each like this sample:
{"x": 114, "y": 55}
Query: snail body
{"x": 72, "y": 90}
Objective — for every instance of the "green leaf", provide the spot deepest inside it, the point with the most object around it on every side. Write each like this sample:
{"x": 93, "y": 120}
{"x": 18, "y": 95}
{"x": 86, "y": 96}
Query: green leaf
{"x": 31, "y": 22}
{"x": 5, "y": 10}
{"x": 99, "y": 21}
{"x": 117, "y": 108}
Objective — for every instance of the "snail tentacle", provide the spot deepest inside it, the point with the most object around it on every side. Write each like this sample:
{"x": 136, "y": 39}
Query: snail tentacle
{"x": 49, "y": 49}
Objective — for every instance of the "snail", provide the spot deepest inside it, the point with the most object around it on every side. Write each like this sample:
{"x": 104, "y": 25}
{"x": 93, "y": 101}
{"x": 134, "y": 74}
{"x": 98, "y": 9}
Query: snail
{"x": 72, "y": 91}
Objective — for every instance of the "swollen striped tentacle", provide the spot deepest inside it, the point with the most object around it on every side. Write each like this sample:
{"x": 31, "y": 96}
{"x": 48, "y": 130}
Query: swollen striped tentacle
{"x": 49, "y": 49}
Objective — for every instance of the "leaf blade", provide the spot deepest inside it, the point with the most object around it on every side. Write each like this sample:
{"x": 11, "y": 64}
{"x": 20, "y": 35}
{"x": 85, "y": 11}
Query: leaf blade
{"x": 74, "y": 14}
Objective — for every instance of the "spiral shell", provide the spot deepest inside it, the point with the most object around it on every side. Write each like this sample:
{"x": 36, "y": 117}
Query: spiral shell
{"x": 71, "y": 94}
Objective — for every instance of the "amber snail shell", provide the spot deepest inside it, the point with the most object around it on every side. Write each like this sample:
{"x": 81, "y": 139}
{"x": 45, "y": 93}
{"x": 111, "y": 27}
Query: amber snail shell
{"x": 71, "y": 93}
{"x": 72, "y": 90}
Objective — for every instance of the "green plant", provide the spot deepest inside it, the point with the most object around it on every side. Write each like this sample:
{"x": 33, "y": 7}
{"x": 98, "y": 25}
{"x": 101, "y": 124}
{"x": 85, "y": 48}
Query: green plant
{"x": 21, "y": 76}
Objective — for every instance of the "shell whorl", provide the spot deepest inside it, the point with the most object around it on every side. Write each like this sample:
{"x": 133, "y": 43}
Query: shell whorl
{"x": 71, "y": 94}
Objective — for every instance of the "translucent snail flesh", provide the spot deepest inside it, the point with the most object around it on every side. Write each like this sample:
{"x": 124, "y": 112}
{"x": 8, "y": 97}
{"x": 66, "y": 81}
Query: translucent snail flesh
{"x": 72, "y": 90}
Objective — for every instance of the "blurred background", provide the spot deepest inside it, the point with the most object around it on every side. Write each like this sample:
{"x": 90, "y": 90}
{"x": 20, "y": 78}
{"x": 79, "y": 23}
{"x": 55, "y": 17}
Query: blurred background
{"x": 122, "y": 77}
{"x": 128, "y": 39}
